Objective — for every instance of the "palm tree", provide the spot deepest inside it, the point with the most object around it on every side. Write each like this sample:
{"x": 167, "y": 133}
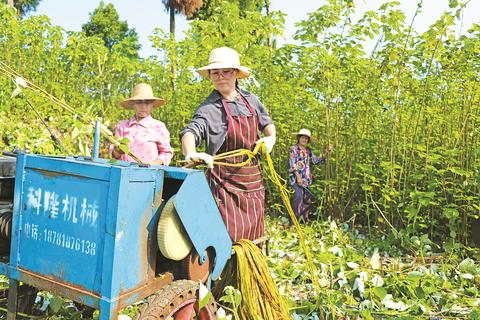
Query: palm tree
{"x": 23, "y": 6}
{"x": 185, "y": 7}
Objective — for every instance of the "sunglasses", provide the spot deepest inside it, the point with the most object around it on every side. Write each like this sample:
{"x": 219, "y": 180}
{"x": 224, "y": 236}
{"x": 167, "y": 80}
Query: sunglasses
{"x": 225, "y": 73}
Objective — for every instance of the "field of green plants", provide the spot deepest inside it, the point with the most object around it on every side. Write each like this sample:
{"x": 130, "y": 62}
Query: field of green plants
{"x": 394, "y": 233}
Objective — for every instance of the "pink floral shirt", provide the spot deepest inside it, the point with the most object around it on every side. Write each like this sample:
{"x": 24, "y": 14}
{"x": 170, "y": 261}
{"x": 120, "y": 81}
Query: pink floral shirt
{"x": 149, "y": 139}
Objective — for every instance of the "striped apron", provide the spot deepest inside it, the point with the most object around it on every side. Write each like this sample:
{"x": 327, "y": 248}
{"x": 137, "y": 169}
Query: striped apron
{"x": 239, "y": 191}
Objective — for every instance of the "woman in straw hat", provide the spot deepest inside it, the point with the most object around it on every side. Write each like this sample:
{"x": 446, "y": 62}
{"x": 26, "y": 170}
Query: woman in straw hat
{"x": 231, "y": 119}
{"x": 149, "y": 138}
{"x": 300, "y": 174}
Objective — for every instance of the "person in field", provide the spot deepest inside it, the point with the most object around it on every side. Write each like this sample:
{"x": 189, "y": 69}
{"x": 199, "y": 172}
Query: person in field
{"x": 149, "y": 138}
{"x": 300, "y": 175}
{"x": 231, "y": 118}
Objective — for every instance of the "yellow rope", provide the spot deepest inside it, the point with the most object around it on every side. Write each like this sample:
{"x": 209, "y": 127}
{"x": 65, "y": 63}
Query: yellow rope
{"x": 282, "y": 189}
{"x": 260, "y": 296}
{"x": 279, "y": 182}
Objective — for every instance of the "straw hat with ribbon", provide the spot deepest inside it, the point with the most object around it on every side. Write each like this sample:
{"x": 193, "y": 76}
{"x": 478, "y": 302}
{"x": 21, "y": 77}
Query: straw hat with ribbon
{"x": 142, "y": 91}
{"x": 223, "y": 58}
{"x": 303, "y": 132}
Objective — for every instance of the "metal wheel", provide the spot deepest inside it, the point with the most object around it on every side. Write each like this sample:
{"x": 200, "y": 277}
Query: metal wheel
{"x": 5, "y": 229}
{"x": 196, "y": 271}
{"x": 179, "y": 301}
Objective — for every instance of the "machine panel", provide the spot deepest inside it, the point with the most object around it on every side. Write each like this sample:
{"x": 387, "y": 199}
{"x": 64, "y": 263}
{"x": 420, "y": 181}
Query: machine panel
{"x": 63, "y": 220}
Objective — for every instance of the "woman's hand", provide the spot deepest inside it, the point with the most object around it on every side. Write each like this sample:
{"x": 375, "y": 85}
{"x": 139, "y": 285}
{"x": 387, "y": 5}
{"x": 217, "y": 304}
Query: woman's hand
{"x": 328, "y": 149}
{"x": 269, "y": 137}
{"x": 117, "y": 153}
{"x": 269, "y": 142}
{"x": 299, "y": 180}
{"x": 158, "y": 162}
{"x": 201, "y": 156}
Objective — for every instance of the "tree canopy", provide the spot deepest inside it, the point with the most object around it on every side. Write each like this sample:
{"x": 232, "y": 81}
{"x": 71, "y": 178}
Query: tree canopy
{"x": 245, "y": 6}
{"x": 105, "y": 23}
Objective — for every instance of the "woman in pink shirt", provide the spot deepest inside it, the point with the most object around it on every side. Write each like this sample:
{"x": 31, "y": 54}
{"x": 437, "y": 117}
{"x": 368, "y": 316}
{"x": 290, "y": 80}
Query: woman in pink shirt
{"x": 149, "y": 138}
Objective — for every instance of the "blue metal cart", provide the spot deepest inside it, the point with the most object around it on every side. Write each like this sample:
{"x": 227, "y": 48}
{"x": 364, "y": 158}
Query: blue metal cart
{"x": 86, "y": 229}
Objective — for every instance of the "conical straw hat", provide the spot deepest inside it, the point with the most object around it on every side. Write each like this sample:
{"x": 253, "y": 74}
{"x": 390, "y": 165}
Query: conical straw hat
{"x": 224, "y": 58}
{"x": 142, "y": 91}
{"x": 303, "y": 132}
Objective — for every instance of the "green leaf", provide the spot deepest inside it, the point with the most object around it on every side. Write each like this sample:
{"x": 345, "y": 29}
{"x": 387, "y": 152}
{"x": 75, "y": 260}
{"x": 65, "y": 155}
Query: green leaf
{"x": 123, "y": 148}
{"x": 415, "y": 275}
{"x": 365, "y": 314}
{"x": 326, "y": 257}
{"x": 468, "y": 266}
{"x": 232, "y": 296}
{"x": 124, "y": 141}
{"x": 16, "y": 92}
{"x": 75, "y": 133}
{"x": 56, "y": 303}
{"x": 419, "y": 292}
{"x": 380, "y": 292}
{"x": 204, "y": 296}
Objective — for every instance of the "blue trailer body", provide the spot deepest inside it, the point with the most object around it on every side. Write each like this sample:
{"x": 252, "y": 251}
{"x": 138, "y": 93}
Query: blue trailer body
{"x": 86, "y": 229}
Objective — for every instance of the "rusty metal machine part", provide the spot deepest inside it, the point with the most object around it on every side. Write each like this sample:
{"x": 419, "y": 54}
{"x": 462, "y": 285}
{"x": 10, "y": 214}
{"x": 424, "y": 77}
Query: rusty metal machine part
{"x": 195, "y": 269}
{"x": 179, "y": 301}
{"x": 6, "y": 213}
{"x": 7, "y": 177}
{"x": 7, "y": 180}
{"x": 7, "y": 166}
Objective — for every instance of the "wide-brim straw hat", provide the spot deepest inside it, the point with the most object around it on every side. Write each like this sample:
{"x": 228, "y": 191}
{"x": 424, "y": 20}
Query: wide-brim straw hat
{"x": 303, "y": 132}
{"x": 142, "y": 91}
{"x": 224, "y": 58}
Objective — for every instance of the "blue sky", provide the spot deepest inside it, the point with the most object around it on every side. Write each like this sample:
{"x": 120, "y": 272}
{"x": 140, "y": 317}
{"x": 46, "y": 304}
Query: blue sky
{"x": 146, "y": 15}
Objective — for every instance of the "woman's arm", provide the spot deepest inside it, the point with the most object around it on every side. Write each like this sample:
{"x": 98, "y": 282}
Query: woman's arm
{"x": 316, "y": 160}
{"x": 188, "y": 143}
{"x": 321, "y": 159}
{"x": 270, "y": 137}
{"x": 270, "y": 131}
{"x": 190, "y": 151}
